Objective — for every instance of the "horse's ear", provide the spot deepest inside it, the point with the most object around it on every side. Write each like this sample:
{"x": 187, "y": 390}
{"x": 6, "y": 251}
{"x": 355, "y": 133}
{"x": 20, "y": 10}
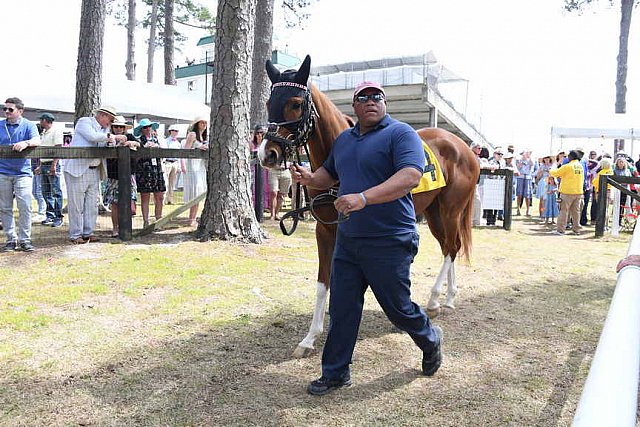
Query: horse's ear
{"x": 272, "y": 72}
{"x": 303, "y": 72}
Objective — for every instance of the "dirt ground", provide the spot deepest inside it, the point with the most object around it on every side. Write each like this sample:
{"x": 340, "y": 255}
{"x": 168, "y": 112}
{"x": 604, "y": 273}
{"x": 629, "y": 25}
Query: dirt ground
{"x": 198, "y": 347}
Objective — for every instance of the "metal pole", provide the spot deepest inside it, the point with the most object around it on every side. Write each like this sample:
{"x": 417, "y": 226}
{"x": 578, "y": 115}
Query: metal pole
{"x": 259, "y": 192}
{"x": 206, "y": 76}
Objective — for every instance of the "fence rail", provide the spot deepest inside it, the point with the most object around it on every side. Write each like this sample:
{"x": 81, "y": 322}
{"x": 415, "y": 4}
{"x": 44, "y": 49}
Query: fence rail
{"x": 617, "y": 182}
{"x": 124, "y": 156}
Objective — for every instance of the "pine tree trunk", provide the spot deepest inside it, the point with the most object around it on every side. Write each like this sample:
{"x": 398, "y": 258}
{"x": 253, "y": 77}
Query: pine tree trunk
{"x": 89, "y": 72}
{"x": 621, "y": 78}
{"x": 228, "y": 213}
{"x": 130, "y": 65}
{"x": 262, "y": 47}
{"x": 152, "y": 40}
{"x": 169, "y": 76}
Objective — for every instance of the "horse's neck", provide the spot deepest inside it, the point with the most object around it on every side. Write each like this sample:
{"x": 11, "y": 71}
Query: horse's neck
{"x": 330, "y": 123}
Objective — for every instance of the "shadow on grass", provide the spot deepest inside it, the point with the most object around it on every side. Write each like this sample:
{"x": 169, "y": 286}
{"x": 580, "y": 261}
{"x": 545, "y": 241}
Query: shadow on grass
{"x": 242, "y": 373}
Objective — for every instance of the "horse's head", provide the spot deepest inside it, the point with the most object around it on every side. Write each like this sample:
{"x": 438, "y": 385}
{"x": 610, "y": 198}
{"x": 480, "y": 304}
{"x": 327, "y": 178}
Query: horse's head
{"x": 291, "y": 114}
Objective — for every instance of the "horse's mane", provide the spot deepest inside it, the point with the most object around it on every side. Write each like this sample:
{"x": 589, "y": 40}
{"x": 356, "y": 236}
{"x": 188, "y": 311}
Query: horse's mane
{"x": 331, "y": 123}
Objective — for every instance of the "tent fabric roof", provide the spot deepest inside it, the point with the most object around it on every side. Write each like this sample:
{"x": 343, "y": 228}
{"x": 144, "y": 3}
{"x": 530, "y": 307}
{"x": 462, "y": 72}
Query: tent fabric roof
{"x": 428, "y": 59}
{"x": 50, "y": 91}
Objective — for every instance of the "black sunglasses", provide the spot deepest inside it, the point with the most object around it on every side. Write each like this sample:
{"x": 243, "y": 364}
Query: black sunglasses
{"x": 376, "y": 97}
{"x": 146, "y": 127}
{"x": 9, "y": 109}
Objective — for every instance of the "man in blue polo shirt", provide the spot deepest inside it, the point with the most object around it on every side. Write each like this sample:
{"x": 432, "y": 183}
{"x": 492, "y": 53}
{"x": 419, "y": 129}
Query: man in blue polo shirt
{"x": 377, "y": 163}
{"x": 16, "y": 176}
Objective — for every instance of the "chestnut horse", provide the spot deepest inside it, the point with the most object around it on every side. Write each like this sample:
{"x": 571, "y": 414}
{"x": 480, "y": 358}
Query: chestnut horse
{"x": 301, "y": 116}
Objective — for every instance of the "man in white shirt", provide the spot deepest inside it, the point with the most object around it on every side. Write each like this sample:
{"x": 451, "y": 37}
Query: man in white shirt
{"x": 49, "y": 171}
{"x": 171, "y": 165}
{"x": 83, "y": 175}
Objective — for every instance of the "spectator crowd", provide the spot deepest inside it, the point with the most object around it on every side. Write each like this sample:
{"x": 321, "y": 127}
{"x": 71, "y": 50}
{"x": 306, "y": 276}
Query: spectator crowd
{"x": 565, "y": 184}
{"x": 89, "y": 184}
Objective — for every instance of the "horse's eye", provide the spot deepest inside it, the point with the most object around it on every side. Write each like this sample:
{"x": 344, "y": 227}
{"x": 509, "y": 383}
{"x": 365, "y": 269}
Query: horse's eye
{"x": 296, "y": 106}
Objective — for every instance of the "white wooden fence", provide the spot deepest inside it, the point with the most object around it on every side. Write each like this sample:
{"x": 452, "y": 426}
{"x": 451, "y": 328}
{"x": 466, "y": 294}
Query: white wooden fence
{"x": 610, "y": 394}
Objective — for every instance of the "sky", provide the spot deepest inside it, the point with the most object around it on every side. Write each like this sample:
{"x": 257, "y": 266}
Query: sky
{"x": 529, "y": 64}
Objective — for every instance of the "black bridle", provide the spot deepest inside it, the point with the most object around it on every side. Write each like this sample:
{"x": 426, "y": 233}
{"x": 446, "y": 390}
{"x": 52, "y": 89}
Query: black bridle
{"x": 299, "y": 132}
{"x": 300, "y": 129}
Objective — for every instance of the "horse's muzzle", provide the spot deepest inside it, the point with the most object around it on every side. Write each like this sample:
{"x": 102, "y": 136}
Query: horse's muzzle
{"x": 269, "y": 154}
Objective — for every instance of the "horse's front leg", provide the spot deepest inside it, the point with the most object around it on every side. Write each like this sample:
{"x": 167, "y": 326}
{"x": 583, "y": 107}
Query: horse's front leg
{"x": 433, "y": 308}
{"x": 305, "y": 347}
{"x": 452, "y": 288}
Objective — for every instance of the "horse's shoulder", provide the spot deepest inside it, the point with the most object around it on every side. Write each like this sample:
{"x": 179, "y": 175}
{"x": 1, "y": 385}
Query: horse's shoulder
{"x": 447, "y": 146}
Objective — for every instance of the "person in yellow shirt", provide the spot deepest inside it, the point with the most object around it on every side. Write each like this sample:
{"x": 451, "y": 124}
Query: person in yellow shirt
{"x": 605, "y": 169}
{"x": 571, "y": 192}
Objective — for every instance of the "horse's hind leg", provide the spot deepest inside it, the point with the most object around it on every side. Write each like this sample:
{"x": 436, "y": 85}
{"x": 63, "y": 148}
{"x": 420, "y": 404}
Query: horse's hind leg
{"x": 306, "y": 346}
{"x": 433, "y": 307}
{"x": 452, "y": 288}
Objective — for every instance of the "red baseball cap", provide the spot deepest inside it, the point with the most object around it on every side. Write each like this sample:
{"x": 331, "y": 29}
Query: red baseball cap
{"x": 365, "y": 85}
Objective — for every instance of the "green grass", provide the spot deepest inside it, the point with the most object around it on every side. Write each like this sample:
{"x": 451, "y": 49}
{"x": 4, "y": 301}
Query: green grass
{"x": 192, "y": 333}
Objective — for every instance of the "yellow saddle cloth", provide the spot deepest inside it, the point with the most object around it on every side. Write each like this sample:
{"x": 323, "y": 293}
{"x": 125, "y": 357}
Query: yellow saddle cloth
{"x": 433, "y": 177}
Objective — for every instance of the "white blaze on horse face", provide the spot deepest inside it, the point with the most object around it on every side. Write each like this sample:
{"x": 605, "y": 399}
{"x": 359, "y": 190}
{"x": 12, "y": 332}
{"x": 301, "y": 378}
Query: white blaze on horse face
{"x": 262, "y": 154}
{"x": 269, "y": 154}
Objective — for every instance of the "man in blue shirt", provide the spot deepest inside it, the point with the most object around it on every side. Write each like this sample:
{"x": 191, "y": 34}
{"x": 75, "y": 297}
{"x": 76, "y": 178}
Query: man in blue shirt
{"x": 377, "y": 163}
{"x": 16, "y": 178}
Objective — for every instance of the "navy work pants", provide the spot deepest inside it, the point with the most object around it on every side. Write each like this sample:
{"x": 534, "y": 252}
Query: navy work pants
{"x": 382, "y": 263}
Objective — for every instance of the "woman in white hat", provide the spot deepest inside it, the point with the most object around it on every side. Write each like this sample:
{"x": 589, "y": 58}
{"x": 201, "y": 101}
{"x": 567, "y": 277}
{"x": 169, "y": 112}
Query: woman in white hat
{"x": 195, "y": 170}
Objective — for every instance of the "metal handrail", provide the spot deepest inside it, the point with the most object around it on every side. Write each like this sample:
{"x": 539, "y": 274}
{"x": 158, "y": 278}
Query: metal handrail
{"x": 610, "y": 394}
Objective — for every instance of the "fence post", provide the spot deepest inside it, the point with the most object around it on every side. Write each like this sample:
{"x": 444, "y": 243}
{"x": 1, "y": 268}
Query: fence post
{"x": 508, "y": 199}
{"x": 601, "y": 213}
{"x": 124, "y": 193}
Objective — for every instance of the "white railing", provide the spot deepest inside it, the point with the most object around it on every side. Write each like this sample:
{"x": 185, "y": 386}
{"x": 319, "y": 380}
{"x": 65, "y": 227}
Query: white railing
{"x": 610, "y": 394}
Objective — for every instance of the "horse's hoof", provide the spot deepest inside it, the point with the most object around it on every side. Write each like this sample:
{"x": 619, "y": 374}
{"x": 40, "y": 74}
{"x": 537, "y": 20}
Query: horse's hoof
{"x": 302, "y": 352}
{"x": 433, "y": 312}
{"x": 450, "y": 306}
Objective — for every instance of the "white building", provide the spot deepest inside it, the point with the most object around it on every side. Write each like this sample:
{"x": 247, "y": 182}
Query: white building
{"x": 196, "y": 78}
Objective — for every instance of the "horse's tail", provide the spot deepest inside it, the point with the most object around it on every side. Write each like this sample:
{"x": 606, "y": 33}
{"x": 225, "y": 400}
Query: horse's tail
{"x": 464, "y": 233}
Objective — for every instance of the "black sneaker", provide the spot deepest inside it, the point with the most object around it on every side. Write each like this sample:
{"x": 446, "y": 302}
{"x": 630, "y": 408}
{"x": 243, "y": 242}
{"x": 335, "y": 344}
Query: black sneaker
{"x": 431, "y": 362}
{"x": 9, "y": 247}
{"x": 26, "y": 247}
{"x": 47, "y": 221}
{"x": 323, "y": 385}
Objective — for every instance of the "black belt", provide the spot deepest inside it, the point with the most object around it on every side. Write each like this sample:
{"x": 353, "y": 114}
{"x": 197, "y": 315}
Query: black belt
{"x": 93, "y": 167}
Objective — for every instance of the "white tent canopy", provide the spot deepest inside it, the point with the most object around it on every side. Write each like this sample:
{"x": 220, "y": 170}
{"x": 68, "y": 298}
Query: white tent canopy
{"x": 622, "y": 133}
{"x": 49, "y": 90}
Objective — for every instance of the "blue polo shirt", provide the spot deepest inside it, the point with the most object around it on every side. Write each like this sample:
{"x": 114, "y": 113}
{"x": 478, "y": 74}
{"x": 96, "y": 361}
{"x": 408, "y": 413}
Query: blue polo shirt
{"x": 24, "y": 130}
{"x": 360, "y": 162}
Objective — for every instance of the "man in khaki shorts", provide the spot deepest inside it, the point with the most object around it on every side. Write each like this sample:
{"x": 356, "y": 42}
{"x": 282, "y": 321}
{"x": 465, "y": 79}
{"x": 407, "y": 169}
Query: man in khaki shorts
{"x": 279, "y": 183}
